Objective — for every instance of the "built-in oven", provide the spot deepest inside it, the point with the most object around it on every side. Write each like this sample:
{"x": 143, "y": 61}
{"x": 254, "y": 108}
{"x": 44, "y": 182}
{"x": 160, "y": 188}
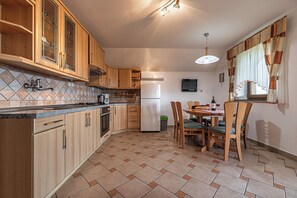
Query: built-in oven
{"x": 105, "y": 118}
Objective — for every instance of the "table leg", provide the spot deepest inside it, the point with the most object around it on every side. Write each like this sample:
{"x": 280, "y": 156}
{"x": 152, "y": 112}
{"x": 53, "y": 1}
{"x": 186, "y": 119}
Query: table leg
{"x": 214, "y": 121}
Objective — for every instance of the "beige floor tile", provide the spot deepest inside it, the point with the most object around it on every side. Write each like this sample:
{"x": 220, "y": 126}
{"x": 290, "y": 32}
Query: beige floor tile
{"x": 128, "y": 168}
{"x": 147, "y": 174}
{"x": 111, "y": 151}
{"x": 171, "y": 182}
{"x": 112, "y": 180}
{"x": 95, "y": 173}
{"x": 286, "y": 181}
{"x": 140, "y": 159}
{"x": 229, "y": 169}
{"x": 257, "y": 175}
{"x": 166, "y": 156}
{"x": 98, "y": 158}
{"x": 85, "y": 166}
{"x": 118, "y": 196}
{"x": 183, "y": 159}
{"x": 290, "y": 193}
{"x": 178, "y": 168}
{"x": 264, "y": 190}
{"x": 202, "y": 175}
{"x": 125, "y": 154}
{"x": 279, "y": 168}
{"x": 203, "y": 163}
{"x": 227, "y": 193}
{"x": 159, "y": 192}
{"x": 231, "y": 182}
{"x": 196, "y": 188}
{"x": 157, "y": 163}
{"x": 93, "y": 192}
{"x": 72, "y": 186}
{"x": 134, "y": 188}
{"x": 113, "y": 162}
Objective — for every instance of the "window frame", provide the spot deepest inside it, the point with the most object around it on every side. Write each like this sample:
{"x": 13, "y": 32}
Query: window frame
{"x": 261, "y": 98}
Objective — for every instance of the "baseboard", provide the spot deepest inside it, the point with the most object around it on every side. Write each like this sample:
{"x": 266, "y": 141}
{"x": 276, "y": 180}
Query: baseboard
{"x": 273, "y": 149}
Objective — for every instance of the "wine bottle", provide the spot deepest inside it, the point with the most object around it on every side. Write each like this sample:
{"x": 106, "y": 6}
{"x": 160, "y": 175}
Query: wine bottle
{"x": 213, "y": 104}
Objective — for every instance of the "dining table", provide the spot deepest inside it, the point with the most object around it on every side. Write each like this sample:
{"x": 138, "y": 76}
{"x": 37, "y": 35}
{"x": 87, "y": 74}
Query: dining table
{"x": 206, "y": 112}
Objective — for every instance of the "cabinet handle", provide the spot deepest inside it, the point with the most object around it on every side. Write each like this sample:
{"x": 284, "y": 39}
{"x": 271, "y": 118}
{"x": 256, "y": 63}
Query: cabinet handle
{"x": 91, "y": 57}
{"x": 86, "y": 120}
{"x": 60, "y": 58}
{"x": 115, "y": 110}
{"x": 64, "y": 61}
{"x": 89, "y": 119}
{"x": 64, "y": 139}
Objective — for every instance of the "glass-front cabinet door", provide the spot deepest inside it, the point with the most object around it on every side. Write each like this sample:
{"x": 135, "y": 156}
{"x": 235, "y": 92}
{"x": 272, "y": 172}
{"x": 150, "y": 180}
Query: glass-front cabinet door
{"x": 47, "y": 33}
{"x": 69, "y": 44}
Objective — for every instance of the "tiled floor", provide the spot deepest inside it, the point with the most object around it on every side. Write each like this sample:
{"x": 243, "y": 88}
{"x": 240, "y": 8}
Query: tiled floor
{"x": 151, "y": 165}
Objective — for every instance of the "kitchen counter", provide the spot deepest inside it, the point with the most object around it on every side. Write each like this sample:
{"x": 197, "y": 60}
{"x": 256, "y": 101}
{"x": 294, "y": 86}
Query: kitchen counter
{"x": 47, "y": 111}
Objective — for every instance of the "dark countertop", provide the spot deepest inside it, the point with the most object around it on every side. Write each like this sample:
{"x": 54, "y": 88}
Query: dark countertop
{"x": 47, "y": 111}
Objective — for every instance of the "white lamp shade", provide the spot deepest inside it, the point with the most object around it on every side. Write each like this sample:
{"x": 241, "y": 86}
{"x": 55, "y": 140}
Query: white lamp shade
{"x": 207, "y": 59}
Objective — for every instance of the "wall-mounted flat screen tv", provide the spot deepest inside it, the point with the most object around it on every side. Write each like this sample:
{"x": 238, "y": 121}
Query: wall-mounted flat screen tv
{"x": 189, "y": 85}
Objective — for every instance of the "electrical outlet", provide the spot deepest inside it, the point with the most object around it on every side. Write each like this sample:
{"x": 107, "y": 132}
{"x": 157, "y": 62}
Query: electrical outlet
{"x": 70, "y": 84}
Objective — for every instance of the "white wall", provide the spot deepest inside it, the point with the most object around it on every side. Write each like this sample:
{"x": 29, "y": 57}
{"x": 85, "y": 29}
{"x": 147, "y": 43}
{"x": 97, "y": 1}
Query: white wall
{"x": 271, "y": 124}
{"x": 171, "y": 89}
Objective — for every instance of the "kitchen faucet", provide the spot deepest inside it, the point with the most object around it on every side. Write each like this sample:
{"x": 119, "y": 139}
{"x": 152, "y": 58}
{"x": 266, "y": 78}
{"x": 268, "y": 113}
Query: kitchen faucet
{"x": 35, "y": 86}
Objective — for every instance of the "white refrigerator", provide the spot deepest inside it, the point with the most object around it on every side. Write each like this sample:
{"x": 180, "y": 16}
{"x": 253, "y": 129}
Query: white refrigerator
{"x": 150, "y": 107}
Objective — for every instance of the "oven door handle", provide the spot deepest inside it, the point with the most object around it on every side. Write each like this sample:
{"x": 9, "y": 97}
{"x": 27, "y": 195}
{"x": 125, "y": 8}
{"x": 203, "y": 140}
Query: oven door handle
{"x": 104, "y": 114}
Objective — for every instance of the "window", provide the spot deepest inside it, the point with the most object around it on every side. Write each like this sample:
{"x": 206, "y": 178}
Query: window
{"x": 251, "y": 75}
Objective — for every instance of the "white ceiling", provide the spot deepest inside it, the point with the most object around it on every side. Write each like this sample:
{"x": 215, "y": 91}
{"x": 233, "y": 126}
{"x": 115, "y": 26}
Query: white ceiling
{"x": 138, "y": 23}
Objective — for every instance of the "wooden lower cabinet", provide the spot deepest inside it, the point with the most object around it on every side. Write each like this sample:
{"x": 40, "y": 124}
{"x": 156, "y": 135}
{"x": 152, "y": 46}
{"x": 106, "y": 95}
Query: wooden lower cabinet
{"x": 49, "y": 160}
{"x": 38, "y": 154}
{"x": 88, "y": 133}
{"x": 120, "y": 117}
{"x": 72, "y": 141}
{"x": 133, "y": 117}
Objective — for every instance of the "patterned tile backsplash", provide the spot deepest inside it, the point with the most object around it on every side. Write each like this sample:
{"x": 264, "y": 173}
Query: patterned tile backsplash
{"x": 13, "y": 94}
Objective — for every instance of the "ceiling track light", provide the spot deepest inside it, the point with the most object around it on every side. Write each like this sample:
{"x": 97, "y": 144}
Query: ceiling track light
{"x": 207, "y": 59}
{"x": 165, "y": 9}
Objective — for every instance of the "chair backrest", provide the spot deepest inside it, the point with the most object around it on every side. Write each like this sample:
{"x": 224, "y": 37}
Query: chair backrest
{"x": 190, "y": 104}
{"x": 196, "y": 103}
{"x": 173, "y": 106}
{"x": 247, "y": 112}
{"x": 193, "y": 103}
{"x": 239, "y": 115}
{"x": 180, "y": 114}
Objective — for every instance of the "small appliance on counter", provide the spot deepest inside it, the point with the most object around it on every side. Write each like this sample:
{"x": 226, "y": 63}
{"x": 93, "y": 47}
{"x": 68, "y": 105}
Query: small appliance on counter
{"x": 103, "y": 99}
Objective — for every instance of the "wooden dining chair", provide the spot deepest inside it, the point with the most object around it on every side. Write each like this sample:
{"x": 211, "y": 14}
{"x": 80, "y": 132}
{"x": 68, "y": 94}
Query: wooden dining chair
{"x": 175, "y": 133}
{"x": 228, "y": 132}
{"x": 244, "y": 122}
{"x": 190, "y": 106}
{"x": 188, "y": 128}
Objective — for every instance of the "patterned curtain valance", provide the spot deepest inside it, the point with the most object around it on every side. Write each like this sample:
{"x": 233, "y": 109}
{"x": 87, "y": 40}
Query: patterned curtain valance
{"x": 264, "y": 35}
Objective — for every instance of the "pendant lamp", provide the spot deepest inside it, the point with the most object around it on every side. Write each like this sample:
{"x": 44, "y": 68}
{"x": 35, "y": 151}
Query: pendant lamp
{"x": 207, "y": 59}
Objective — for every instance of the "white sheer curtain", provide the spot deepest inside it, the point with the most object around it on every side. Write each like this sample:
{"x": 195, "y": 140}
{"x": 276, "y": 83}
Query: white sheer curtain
{"x": 251, "y": 66}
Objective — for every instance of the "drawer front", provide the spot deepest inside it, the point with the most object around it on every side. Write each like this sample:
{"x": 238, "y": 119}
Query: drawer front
{"x": 133, "y": 111}
{"x": 43, "y": 124}
{"x": 133, "y": 123}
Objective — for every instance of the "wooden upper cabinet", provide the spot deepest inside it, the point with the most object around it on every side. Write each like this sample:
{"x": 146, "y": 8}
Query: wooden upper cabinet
{"x": 96, "y": 55}
{"x": 113, "y": 77}
{"x": 16, "y": 30}
{"x": 125, "y": 76}
{"x": 48, "y": 50}
{"x": 82, "y": 53}
{"x": 68, "y": 43}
